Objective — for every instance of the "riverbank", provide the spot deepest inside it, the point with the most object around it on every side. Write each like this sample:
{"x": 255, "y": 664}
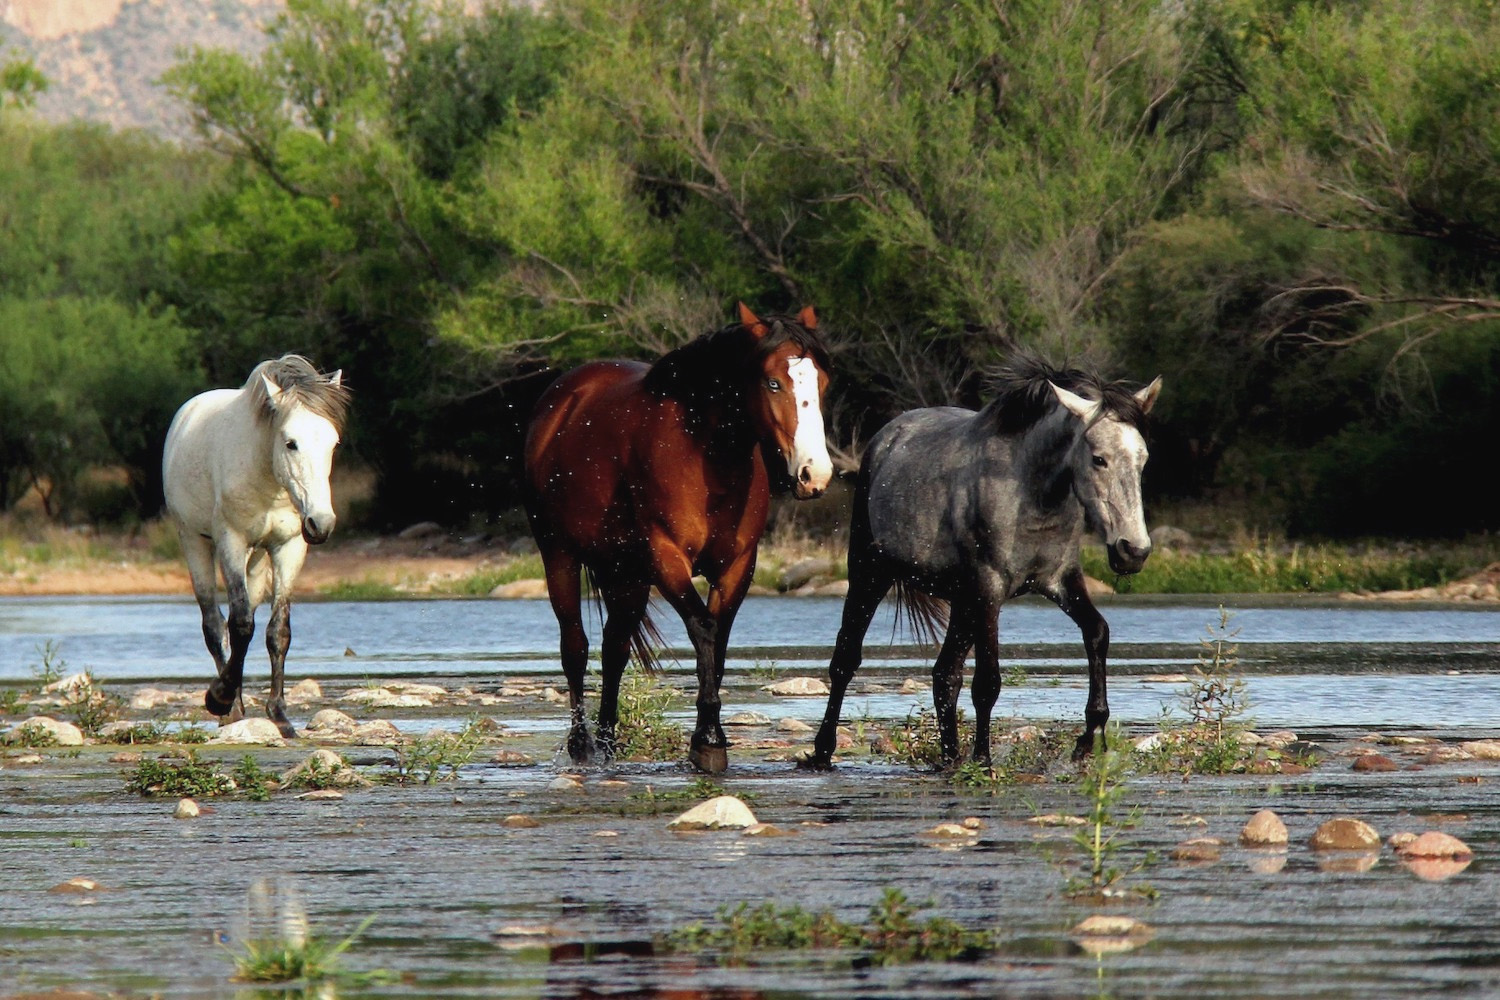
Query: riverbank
{"x": 427, "y": 560}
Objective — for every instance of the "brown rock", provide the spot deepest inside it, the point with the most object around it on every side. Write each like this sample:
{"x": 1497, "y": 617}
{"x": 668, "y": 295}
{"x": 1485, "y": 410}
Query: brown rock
{"x": 1483, "y": 749}
{"x": 1435, "y": 844}
{"x": 520, "y": 821}
{"x": 1264, "y": 829}
{"x": 1447, "y": 755}
{"x": 766, "y": 830}
{"x": 1103, "y": 934}
{"x": 1374, "y": 762}
{"x": 1345, "y": 834}
{"x": 126, "y": 757}
{"x": 1199, "y": 850}
{"x": 1400, "y": 840}
{"x": 1436, "y": 869}
{"x": 77, "y": 885}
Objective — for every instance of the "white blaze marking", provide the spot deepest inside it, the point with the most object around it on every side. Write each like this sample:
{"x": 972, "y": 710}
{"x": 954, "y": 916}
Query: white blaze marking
{"x": 809, "y": 446}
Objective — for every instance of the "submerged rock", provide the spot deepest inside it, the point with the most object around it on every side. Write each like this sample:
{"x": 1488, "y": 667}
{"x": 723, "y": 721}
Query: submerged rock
{"x": 249, "y": 732}
{"x": 1374, "y": 762}
{"x": 148, "y": 698}
{"x": 520, "y": 821}
{"x": 1265, "y": 829}
{"x": 797, "y": 687}
{"x": 949, "y": 831}
{"x": 1435, "y": 844}
{"x": 565, "y": 783}
{"x": 724, "y": 812}
{"x": 331, "y": 722}
{"x": 1198, "y": 850}
{"x": 1345, "y": 834}
{"x": 1104, "y": 934}
{"x": 77, "y": 885}
{"x": 748, "y": 719}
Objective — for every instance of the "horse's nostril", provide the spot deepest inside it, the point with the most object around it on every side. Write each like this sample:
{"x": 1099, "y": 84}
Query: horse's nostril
{"x": 806, "y": 474}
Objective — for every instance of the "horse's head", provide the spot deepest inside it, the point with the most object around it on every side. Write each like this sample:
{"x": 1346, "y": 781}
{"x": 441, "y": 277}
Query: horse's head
{"x": 1107, "y": 461}
{"x": 786, "y": 400}
{"x": 306, "y": 416}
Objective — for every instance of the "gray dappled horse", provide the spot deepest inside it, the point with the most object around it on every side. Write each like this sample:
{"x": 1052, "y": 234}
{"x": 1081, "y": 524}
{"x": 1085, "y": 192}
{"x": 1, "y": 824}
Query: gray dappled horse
{"x": 971, "y": 509}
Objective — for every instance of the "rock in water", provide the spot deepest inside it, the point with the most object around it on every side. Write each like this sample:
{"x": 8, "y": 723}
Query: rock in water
{"x": 1265, "y": 829}
{"x": 1435, "y": 844}
{"x": 797, "y": 686}
{"x": 64, "y": 734}
{"x": 1346, "y": 834}
{"x": 722, "y": 813}
{"x": 186, "y": 809}
{"x": 250, "y": 732}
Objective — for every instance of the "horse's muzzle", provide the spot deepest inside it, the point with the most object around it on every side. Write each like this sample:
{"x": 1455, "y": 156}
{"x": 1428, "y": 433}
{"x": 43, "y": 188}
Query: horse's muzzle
{"x": 811, "y": 480}
{"x": 315, "y": 531}
{"x": 1125, "y": 558}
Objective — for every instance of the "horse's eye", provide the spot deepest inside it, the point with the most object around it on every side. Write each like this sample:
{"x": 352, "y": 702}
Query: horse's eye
{"x": 1100, "y": 462}
{"x": 291, "y": 446}
{"x": 773, "y": 385}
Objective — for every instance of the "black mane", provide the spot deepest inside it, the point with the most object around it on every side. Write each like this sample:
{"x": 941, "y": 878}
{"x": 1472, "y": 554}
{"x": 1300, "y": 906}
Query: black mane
{"x": 715, "y": 368}
{"x": 1022, "y": 394}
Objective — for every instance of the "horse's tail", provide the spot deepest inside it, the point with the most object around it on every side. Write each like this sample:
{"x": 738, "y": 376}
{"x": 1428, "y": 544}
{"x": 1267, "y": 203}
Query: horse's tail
{"x": 926, "y": 616}
{"x": 644, "y": 641}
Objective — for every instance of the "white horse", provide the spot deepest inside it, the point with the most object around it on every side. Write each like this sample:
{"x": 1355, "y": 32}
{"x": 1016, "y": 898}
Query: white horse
{"x": 246, "y": 478}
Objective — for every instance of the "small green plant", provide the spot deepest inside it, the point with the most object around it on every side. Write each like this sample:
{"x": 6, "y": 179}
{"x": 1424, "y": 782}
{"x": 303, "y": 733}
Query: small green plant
{"x": 916, "y": 740}
{"x": 251, "y": 779}
{"x": 1103, "y": 787}
{"x": 318, "y": 775}
{"x": 52, "y": 667}
{"x": 973, "y": 776}
{"x": 93, "y": 707}
{"x": 192, "y": 777}
{"x": 700, "y": 789}
{"x": 298, "y": 957}
{"x": 893, "y": 933}
{"x": 78, "y": 842}
{"x": 191, "y": 735}
{"x": 764, "y": 670}
{"x": 1215, "y": 694}
{"x": 32, "y": 737}
{"x": 1015, "y": 674}
{"x": 430, "y": 759}
{"x": 11, "y": 700}
{"x": 643, "y": 730}
{"x": 141, "y": 732}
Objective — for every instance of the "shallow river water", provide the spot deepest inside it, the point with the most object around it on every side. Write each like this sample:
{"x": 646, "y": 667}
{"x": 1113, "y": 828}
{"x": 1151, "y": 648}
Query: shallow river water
{"x": 602, "y": 878}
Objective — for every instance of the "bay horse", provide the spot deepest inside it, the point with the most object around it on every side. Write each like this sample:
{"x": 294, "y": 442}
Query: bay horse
{"x": 246, "y": 480}
{"x": 646, "y": 475}
{"x": 961, "y": 511}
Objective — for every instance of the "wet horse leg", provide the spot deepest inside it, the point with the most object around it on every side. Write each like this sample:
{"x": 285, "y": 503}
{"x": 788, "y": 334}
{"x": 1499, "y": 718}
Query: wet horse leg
{"x": 233, "y": 555}
{"x": 286, "y": 563}
{"x": 564, "y": 590}
{"x": 866, "y": 591}
{"x": 724, "y": 599}
{"x": 199, "y": 553}
{"x": 986, "y": 678}
{"x": 674, "y": 577}
{"x": 625, "y": 604}
{"x": 1076, "y": 604}
{"x": 948, "y": 678}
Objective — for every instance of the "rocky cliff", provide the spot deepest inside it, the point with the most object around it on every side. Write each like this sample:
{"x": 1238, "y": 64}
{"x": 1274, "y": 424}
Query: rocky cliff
{"x": 103, "y": 58}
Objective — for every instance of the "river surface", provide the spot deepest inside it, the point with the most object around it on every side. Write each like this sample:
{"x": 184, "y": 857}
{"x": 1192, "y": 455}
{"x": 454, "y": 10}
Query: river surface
{"x": 599, "y": 882}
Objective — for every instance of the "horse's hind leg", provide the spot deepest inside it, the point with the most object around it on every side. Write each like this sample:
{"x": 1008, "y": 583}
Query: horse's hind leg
{"x": 286, "y": 563}
{"x": 948, "y": 678}
{"x": 986, "y": 679}
{"x": 625, "y": 605}
{"x": 866, "y": 590}
{"x": 565, "y": 591}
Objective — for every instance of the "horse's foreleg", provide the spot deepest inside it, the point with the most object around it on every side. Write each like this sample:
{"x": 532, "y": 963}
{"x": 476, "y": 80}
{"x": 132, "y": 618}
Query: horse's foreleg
{"x": 233, "y": 554}
{"x": 866, "y": 591}
{"x": 724, "y": 600}
{"x": 565, "y": 591}
{"x": 986, "y": 679}
{"x": 948, "y": 679}
{"x": 626, "y": 608}
{"x": 1076, "y": 603}
{"x": 707, "y": 750}
{"x": 286, "y": 563}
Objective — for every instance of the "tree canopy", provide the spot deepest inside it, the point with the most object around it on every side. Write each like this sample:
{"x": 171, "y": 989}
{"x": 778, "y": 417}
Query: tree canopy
{"x": 1289, "y": 209}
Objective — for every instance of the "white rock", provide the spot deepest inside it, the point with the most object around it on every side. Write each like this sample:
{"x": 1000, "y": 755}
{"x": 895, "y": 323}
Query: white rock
{"x": 553, "y": 696}
{"x": 1146, "y": 744}
{"x": 186, "y": 809}
{"x": 331, "y": 720}
{"x": 377, "y": 733}
{"x": 330, "y": 765}
{"x": 64, "y": 734}
{"x": 70, "y": 685}
{"x": 748, "y": 719}
{"x": 791, "y": 725}
{"x": 1483, "y": 749}
{"x": 250, "y": 732}
{"x": 303, "y": 692}
{"x": 421, "y": 690}
{"x": 564, "y": 783}
{"x": 1264, "y": 829}
{"x": 148, "y": 698}
{"x": 797, "y": 687}
{"x": 724, "y": 812}
{"x": 913, "y": 686}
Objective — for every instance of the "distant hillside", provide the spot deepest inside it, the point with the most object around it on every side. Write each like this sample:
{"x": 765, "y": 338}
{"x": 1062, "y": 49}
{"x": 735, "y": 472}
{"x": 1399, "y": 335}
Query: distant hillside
{"x": 103, "y": 58}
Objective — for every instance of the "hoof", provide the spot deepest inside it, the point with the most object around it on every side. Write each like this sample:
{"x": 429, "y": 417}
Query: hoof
{"x": 580, "y": 745}
{"x": 709, "y": 760}
{"x": 815, "y": 762}
{"x": 1084, "y": 748}
{"x": 216, "y": 707}
{"x": 288, "y": 730}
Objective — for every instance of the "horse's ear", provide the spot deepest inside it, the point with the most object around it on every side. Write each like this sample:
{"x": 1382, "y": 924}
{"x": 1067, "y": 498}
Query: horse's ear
{"x": 273, "y": 391}
{"x": 1147, "y": 396}
{"x": 808, "y": 318}
{"x": 1083, "y": 409}
{"x": 752, "y": 322}
{"x": 337, "y": 378}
